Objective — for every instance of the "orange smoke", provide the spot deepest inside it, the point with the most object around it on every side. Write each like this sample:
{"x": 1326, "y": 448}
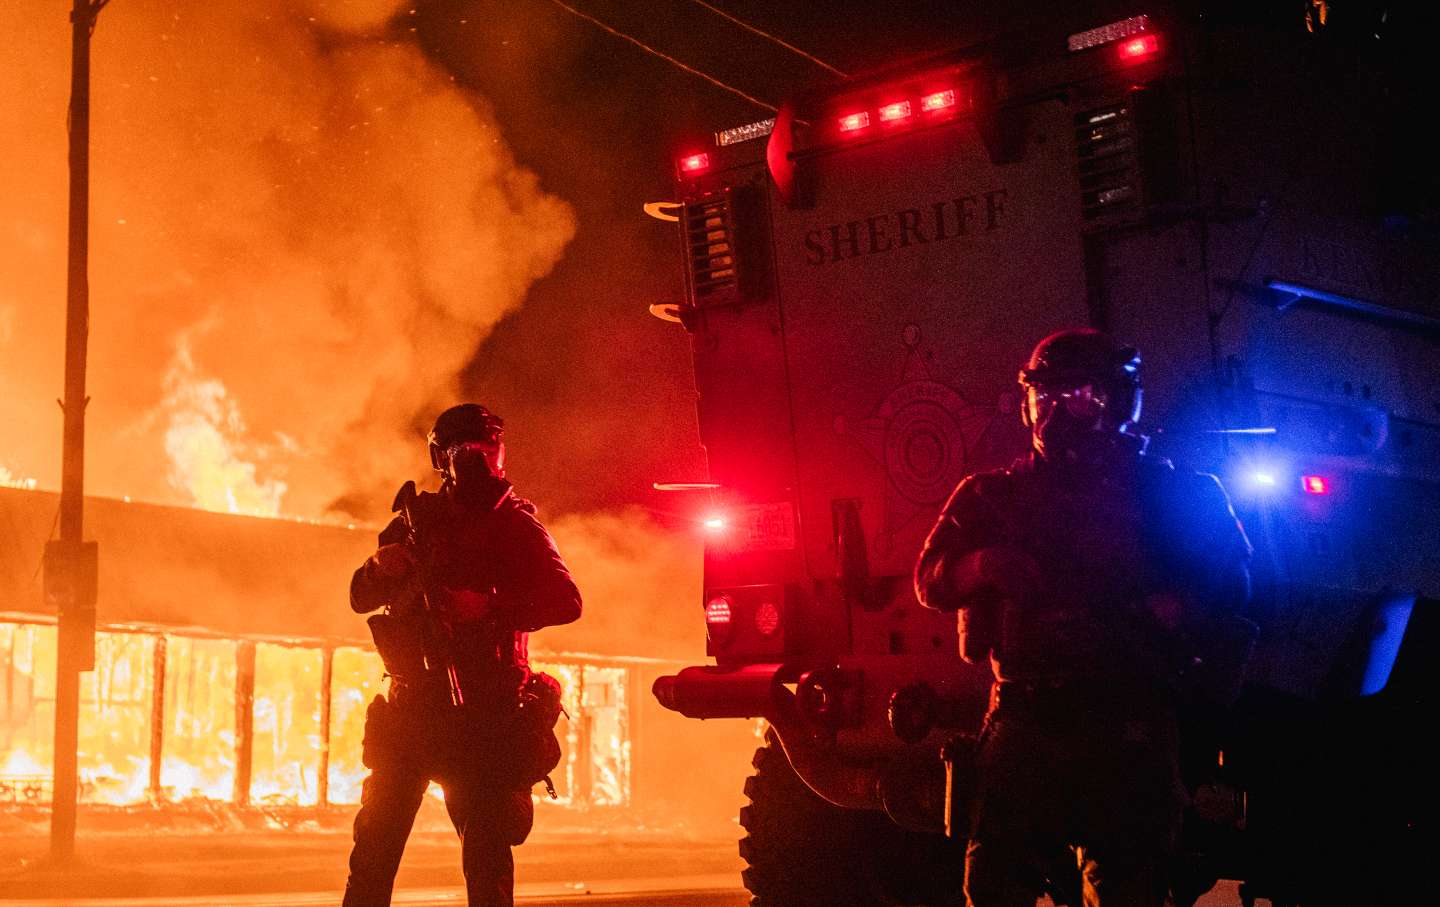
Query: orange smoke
{"x": 301, "y": 230}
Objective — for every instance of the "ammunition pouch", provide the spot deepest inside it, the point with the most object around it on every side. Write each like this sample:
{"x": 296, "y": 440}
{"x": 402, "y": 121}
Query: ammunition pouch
{"x": 536, "y": 746}
{"x": 400, "y": 645}
{"x": 978, "y": 626}
{"x": 380, "y": 733}
{"x": 960, "y": 755}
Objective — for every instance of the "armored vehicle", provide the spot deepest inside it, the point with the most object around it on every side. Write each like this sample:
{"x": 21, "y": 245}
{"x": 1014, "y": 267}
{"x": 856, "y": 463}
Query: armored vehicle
{"x": 1241, "y": 192}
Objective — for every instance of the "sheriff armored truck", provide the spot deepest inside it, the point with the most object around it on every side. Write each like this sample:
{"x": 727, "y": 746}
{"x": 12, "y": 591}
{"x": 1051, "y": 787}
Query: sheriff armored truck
{"x": 1237, "y": 190}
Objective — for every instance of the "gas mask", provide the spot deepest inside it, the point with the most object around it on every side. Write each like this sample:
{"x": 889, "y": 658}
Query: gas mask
{"x": 1082, "y": 397}
{"x": 467, "y": 450}
{"x": 475, "y": 470}
{"x": 1066, "y": 419}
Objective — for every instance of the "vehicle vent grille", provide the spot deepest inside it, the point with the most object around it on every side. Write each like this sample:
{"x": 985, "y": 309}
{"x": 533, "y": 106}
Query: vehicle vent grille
{"x": 1106, "y": 146}
{"x": 709, "y": 226}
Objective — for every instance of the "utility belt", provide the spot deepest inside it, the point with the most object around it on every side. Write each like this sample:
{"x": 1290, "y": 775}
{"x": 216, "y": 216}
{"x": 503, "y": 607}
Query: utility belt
{"x": 479, "y": 651}
{"x": 490, "y": 691}
{"x": 417, "y": 725}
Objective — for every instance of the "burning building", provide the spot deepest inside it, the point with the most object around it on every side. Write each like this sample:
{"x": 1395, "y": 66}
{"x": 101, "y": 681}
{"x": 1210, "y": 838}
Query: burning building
{"x": 229, "y": 668}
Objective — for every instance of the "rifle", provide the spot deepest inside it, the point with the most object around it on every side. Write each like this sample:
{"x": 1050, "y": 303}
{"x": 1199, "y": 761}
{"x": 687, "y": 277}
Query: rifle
{"x": 434, "y": 635}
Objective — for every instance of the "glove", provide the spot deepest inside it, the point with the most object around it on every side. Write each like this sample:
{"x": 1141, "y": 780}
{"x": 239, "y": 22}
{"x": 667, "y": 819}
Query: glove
{"x": 997, "y": 572}
{"x": 392, "y": 562}
{"x": 984, "y": 582}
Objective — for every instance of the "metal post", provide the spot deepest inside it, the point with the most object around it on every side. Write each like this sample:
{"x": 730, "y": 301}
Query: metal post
{"x": 584, "y": 763}
{"x": 157, "y": 718}
{"x": 327, "y": 680}
{"x": 69, "y": 561}
{"x": 244, "y": 719}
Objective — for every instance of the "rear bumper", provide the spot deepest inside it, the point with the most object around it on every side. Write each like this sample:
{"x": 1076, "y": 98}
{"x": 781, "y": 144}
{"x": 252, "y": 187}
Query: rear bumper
{"x": 749, "y": 691}
{"x": 758, "y": 691}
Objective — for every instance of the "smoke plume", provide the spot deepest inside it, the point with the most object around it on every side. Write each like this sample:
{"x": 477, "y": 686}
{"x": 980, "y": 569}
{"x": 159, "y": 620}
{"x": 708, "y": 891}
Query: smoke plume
{"x": 643, "y": 581}
{"x": 301, "y": 230}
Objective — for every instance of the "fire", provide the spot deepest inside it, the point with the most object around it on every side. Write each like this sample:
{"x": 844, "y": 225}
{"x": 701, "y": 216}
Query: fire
{"x": 116, "y": 700}
{"x": 355, "y": 681}
{"x": 286, "y": 726}
{"x": 198, "y": 735}
{"x": 604, "y": 704}
{"x": 193, "y": 684}
{"x": 342, "y": 215}
{"x": 9, "y": 479}
{"x": 203, "y": 442}
{"x": 26, "y": 653}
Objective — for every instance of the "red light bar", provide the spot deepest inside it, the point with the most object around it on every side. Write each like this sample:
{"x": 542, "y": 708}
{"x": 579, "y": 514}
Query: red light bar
{"x": 695, "y": 163}
{"x": 1138, "y": 48}
{"x": 1108, "y": 34}
{"x": 853, "y": 121}
{"x": 891, "y": 113}
{"x": 940, "y": 100}
{"x": 714, "y": 523}
{"x": 1315, "y": 484}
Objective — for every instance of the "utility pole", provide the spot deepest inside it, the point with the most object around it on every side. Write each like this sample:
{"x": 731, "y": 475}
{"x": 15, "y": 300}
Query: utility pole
{"x": 70, "y": 562}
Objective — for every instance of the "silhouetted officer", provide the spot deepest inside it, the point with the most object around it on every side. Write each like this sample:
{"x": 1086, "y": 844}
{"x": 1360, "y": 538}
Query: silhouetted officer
{"x": 1103, "y": 586}
{"x": 463, "y": 583}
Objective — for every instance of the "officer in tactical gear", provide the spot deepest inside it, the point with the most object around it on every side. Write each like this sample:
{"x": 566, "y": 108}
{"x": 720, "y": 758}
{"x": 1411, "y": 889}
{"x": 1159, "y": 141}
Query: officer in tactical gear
{"x": 1104, "y": 587}
{"x": 464, "y": 575}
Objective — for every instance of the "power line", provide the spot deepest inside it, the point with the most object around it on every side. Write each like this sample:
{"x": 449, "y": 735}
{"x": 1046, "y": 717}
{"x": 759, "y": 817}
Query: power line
{"x": 769, "y": 37}
{"x": 664, "y": 56}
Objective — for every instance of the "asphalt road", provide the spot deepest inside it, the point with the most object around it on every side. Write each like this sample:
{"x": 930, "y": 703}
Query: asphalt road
{"x": 681, "y": 891}
{"x": 654, "y": 868}
{"x": 674, "y": 891}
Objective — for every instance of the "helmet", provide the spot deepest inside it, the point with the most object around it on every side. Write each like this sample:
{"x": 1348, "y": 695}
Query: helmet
{"x": 458, "y": 424}
{"x": 1080, "y": 382}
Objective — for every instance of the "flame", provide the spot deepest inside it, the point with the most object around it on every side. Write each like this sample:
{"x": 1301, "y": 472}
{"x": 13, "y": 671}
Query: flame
{"x": 286, "y": 728}
{"x": 23, "y": 762}
{"x": 198, "y": 754}
{"x": 604, "y": 699}
{"x": 198, "y": 732}
{"x": 355, "y": 680}
{"x": 116, "y": 703}
{"x": 9, "y": 479}
{"x": 26, "y": 654}
{"x": 203, "y": 442}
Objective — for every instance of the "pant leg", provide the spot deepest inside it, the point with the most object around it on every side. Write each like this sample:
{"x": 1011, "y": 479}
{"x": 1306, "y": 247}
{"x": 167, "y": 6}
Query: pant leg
{"x": 389, "y": 799}
{"x": 1014, "y": 829}
{"x": 997, "y": 875}
{"x": 1122, "y": 880}
{"x": 489, "y": 822}
{"x": 1130, "y": 813}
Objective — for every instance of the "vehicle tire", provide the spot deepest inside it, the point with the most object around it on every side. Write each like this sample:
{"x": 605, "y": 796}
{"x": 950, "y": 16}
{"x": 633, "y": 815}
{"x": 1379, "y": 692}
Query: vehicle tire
{"x": 801, "y": 851}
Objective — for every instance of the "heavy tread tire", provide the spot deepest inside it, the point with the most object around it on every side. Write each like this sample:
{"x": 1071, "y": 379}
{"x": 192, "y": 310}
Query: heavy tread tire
{"x": 801, "y": 851}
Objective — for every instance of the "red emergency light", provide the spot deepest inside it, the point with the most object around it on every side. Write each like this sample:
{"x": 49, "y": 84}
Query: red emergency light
{"x": 767, "y": 618}
{"x": 717, "y": 618}
{"x": 695, "y": 163}
{"x": 852, "y": 122}
{"x": 1139, "y": 47}
{"x": 940, "y": 100}
{"x": 714, "y": 523}
{"x": 1315, "y": 484}
{"x": 895, "y": 113}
